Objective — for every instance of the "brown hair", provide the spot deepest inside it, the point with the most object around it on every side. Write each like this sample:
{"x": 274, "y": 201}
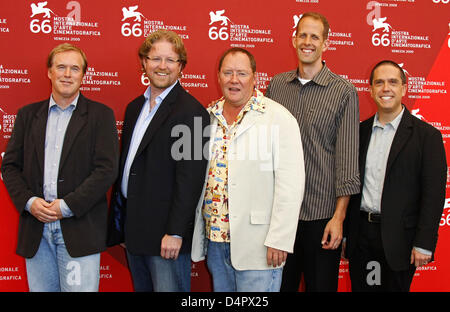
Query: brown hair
{"x": 64, "y": 47}
{"x": 388, "y": 62}
{"x": 316, "y": 16}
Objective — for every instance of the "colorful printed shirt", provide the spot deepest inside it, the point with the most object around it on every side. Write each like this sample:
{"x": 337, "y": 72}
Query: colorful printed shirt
{"x": 215, "y": 204}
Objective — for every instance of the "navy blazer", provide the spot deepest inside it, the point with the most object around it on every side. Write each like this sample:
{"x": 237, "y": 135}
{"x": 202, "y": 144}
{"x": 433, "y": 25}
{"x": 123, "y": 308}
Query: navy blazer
{"x": 413, "y": 192}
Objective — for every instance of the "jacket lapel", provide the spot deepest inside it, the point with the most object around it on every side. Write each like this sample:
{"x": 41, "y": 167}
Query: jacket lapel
{"x": 130, "y": 122}
{"x": 247, "y": 122}
{"x": 161, "y": 115}
{"x": 402, "y": 136}
{"x": 364, "y": 137}
{"x": 76, "y": 123}
{"x": 39, "y": 129}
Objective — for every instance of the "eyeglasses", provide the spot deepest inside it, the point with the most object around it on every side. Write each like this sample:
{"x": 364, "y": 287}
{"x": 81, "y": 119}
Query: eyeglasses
{"x": 239, "y": 74}
{"x": 157, "y": 60}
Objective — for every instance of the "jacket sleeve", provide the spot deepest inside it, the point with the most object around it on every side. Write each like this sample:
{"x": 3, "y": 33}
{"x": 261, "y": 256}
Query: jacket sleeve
{"x": 190, "y": 173}
{"x": 433, "y": 183}
{"x": 289, "y": 179}
{"x": 12, "y": 165}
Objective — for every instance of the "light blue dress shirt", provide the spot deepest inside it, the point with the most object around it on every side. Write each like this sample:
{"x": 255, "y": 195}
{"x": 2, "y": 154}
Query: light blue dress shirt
{"x": 376, "y": 161}
{"x": 145, "y": 117}
{"x": 57, "y": 122}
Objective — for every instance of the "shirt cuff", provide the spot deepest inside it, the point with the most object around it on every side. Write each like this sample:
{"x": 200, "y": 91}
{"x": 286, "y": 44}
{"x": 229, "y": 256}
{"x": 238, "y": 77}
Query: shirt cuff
{"x": 424, "y": 251}
{"x": 29, "y": 203}
{"x": 65, "y": 210}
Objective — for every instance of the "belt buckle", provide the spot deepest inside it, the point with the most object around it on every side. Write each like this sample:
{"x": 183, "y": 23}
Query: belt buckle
{"x": 369, "y": 217}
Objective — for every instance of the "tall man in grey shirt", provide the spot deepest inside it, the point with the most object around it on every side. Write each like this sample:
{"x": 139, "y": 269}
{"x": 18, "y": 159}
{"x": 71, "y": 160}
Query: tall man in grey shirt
{"x": 327, "y": 110}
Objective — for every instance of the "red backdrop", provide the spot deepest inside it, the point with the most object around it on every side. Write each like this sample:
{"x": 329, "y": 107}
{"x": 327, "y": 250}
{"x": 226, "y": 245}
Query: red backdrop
{"x": 414, "y": 33}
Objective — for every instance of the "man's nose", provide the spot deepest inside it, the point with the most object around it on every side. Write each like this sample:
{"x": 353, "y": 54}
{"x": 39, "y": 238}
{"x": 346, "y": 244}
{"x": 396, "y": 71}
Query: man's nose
{"x": 307, "y": 40}
{"x": 234, "y": 77}
{"x": 67, "y": 71}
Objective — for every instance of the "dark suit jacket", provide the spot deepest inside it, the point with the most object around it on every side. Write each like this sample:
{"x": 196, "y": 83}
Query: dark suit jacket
{"x": 413, "y": 192}
{"x": 88, "y": 167}
{"x": 162, "y": 192}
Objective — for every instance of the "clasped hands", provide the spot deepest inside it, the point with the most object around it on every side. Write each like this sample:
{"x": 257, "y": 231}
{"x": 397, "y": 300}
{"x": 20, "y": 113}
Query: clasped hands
{"x": 46, "y": 212}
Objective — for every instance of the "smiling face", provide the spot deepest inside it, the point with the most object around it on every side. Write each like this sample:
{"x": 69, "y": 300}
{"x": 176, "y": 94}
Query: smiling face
{"x": 162, "y": 66}
{"x": 387, "y": 89}
{"x": 66, "y": 75}
{"x": 309, "y": 42}
{"x": 236, "y": 79}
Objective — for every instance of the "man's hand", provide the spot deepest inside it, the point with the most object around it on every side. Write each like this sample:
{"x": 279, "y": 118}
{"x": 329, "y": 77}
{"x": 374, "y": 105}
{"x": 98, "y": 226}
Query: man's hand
{"x": 55, "y": 206}
{"x": 418, "y": 258}
{"x": 43, "y": 211}
{"x": 170, "y": 247}
{"x": 275, "y": 257}
{"x": 332, "y": 235}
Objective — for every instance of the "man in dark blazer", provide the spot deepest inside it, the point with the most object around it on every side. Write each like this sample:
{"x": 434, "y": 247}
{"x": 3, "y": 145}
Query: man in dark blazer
{"x": 392, "y": 226}
{"x": 162, "y": 170}
{"x": 60, "y": 161}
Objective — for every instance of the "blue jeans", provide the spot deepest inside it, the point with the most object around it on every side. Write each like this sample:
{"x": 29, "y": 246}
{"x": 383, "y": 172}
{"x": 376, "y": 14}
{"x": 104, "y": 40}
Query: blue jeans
{"x": 154, "y": 273}
{"x": 226, "y": 278}
{"x": 52, "y": 269}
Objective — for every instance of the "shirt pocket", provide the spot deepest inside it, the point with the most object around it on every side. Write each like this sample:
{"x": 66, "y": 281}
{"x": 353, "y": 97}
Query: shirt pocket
{"x": 259, "y": 217}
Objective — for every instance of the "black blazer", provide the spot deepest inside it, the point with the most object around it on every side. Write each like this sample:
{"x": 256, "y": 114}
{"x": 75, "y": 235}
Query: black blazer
{"x": 413, "y": 192}
{"x": 162, "y": 191}
{"x": 87, "y": 169}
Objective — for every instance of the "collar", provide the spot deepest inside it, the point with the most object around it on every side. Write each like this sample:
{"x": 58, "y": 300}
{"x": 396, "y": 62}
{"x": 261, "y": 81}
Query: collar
{"x": 53, "y": 103}
{"x": 394, "y": 123}
{"x": 322, "y": 78}
{"x": 163, "y": 94}
{"x": 255, "y": 103}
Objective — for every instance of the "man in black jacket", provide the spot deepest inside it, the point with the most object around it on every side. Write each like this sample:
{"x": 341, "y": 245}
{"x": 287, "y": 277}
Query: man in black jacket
{"x": 393, "y": 223}
{"x": 162, "y": 170}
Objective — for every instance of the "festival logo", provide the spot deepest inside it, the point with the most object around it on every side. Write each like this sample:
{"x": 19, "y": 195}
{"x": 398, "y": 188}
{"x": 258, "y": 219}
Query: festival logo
{"x": 218, "y": 17}
{"x": 132, "y": 13}
{"x": 135, "y": 24}
{"x": 382, "y": 35}
{"x": 386, "y": 34}
{"x": 65, "y": 28}
{"x": 40, "y": 9}
{"x": 221, "y": 27}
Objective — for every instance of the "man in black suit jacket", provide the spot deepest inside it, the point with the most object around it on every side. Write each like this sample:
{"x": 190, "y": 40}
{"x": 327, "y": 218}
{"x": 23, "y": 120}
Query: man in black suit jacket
{"x": 392, "y": 225}
{"x": 162, "y": 170}
{"x": 60, "y": 161}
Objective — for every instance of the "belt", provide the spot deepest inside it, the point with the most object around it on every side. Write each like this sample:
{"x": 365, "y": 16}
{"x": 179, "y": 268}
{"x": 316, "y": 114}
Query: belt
{"x": 371, "y": 216}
